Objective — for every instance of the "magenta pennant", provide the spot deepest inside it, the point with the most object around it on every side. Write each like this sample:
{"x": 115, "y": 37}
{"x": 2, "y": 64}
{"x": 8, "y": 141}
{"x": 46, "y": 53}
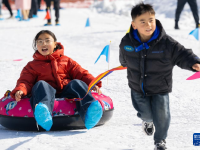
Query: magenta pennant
{"x": 17, "y": 59}
{"x": 194, "y": 76}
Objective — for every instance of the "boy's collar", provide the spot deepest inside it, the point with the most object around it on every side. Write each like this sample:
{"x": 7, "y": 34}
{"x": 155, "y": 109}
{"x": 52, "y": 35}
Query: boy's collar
{"x": 145, "y": 45}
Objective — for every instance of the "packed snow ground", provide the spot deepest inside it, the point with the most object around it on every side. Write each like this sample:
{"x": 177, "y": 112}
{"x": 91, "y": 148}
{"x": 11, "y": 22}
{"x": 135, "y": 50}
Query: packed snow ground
{"x": 84, "y": 45}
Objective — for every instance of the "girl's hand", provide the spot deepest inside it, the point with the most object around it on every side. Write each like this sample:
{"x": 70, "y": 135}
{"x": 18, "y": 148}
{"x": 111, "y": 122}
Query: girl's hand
{"x": 196, "y": 67}
{"x": 97, "y": 89}
{"x": 18, "y": 95}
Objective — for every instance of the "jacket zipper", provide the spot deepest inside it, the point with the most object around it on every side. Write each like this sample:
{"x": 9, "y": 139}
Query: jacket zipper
{"x": 143, "y": 75}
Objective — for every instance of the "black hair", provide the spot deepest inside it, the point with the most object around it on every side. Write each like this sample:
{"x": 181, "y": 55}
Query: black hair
{"x": 47, "y": 32}
{"x": 140, "y": 9}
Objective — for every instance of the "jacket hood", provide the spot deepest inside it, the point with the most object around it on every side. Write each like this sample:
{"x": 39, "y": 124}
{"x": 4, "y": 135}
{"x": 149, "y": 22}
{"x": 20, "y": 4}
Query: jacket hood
{"x": 55, "y": 55}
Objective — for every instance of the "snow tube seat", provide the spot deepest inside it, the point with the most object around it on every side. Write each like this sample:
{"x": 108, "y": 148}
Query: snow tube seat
{"x": 19, "y": 115}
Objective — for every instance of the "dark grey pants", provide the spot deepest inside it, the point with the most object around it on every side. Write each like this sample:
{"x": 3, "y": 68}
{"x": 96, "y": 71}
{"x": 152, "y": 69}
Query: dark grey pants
{"x": 34, "y": 8}
{"x": 153, "y": 108}
{"x": 193, "y": 6}
{"x": 56, "y": 7}
{"x": 46, "y": 94}
{"x": 39, "y": 3}
{"x": 7, "y": 4}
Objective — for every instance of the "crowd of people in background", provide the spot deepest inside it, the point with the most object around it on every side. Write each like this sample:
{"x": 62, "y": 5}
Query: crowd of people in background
{"x": 28, "y": 9}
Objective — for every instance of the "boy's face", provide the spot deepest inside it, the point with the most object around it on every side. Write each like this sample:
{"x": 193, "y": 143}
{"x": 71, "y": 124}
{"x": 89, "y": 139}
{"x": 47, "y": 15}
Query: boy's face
{"x": 145, "y": 24}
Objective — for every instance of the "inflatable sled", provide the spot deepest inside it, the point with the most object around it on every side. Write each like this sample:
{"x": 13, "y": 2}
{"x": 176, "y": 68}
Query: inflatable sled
{"x": 19, "y": 115}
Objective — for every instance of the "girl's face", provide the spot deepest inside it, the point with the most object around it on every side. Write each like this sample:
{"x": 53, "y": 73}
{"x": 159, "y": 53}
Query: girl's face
{"x": 45, "y": 44}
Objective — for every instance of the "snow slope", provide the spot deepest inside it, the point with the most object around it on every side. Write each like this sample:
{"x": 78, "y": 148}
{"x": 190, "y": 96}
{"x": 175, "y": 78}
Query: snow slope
{"x": 84, "y": 45}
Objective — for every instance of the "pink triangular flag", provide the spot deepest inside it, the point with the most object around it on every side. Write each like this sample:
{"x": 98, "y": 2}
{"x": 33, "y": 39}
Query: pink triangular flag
{"x": 17, "y": 59}
{"x": 194, "y": 76}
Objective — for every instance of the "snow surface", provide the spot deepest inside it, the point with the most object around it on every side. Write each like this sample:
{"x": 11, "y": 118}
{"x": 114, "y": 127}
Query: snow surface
{"x": 84, "y": 45}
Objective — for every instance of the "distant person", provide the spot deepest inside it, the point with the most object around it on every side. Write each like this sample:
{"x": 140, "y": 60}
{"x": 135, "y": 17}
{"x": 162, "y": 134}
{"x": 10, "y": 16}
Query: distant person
{"x": 34, "y": 9}
{"x": 0, "y": 10}
{"x": 57, "y": 11}
{"x": 39, "y": 3}
{"x": 24, "y": 6}
{"x": 7, "y": 4}
{"x": 52, "y": 75}
{"x": 194, "y": 8}
{"x": 150, "y": 56}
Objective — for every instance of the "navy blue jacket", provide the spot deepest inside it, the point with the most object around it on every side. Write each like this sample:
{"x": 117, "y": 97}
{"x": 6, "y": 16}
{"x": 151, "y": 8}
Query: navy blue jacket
{"x": 150, "y": 69}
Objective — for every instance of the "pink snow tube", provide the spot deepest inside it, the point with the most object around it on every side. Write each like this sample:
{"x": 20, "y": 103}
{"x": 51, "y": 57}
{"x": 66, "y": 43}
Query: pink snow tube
{"x": 19, "y": 115}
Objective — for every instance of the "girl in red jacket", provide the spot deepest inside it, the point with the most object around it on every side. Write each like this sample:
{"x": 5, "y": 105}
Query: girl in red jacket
{"x": 52, "y": 75}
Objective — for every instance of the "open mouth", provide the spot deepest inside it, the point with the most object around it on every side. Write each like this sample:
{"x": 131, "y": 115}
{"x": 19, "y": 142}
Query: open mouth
{"x": 44, "y": 49}
{"x": 148, "y": 30}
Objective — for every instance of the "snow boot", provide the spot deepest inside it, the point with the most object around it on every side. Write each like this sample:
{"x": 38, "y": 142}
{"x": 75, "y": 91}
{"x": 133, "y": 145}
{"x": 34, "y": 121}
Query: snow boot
{"x": 57, "y": 23}
{"x": 176, "y": 25}
{"x": 160, "y": 146}
{"x": 93, "y": 114}
{"x": 48, "y": 24}
{"x": 43, "y": 116}
{"x": 197, "y": 25}
{"x": 148, "y": 128}
{"x": 35, "y": 16}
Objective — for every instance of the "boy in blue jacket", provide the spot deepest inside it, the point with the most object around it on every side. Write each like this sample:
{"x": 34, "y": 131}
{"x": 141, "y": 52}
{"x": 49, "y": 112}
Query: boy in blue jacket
{"x": 150, "y": 55}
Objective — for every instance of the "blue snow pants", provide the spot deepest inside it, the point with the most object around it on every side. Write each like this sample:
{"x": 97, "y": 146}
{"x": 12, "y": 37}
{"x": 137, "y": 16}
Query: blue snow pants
{"x": 153, "y": 109}
{"x": 46, "y": 94}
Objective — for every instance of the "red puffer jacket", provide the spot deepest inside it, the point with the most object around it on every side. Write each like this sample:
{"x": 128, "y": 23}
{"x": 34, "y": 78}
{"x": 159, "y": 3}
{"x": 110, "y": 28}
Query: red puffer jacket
{"x": 56, "y": 69}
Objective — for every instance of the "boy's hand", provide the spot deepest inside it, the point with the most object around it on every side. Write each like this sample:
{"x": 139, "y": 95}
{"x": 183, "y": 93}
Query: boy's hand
{"x": 18, "y": 95}
{"x": 97, "y": 89}
{"x": 196, "y": 67}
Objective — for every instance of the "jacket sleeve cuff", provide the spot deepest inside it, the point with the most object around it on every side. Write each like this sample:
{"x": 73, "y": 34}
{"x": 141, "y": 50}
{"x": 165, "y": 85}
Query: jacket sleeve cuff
{"x": 17, "y": 89}
{"x": 99, "y": 84}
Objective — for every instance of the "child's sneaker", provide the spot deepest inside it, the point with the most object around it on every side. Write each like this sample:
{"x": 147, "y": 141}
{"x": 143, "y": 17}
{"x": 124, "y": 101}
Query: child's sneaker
{"x": 148, "y": 128}
{"x": 43, "y": 116}
{"x": 93, "y": 114}
{"x": 160, "y": 146}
